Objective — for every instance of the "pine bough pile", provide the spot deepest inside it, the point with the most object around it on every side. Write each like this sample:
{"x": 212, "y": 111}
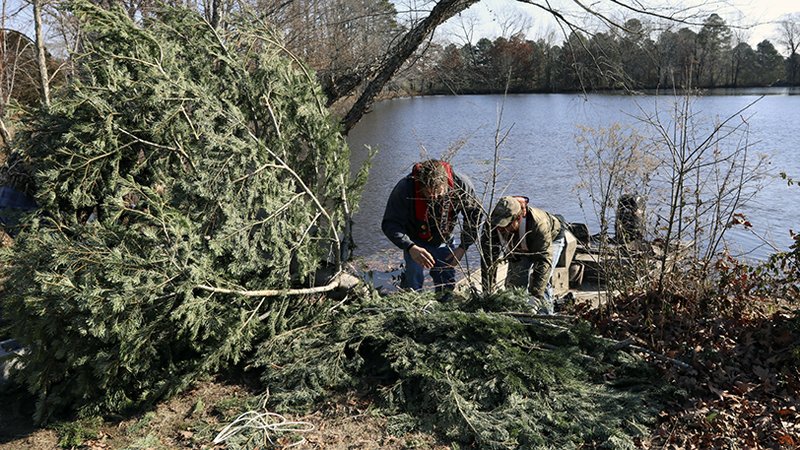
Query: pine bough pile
{"x": 179, "y": 160}
{"x": 470, "y": 372}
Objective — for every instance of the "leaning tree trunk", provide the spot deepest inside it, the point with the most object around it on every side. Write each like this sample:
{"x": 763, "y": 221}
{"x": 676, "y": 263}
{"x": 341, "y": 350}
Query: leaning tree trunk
{"x": 398, "y": 55}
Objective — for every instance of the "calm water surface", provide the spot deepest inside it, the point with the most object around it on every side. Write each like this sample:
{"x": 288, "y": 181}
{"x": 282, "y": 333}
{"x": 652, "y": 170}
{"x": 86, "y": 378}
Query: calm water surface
{"x": 539, "y": 157}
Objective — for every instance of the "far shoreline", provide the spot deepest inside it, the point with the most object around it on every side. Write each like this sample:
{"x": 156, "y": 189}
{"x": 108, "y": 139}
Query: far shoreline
{"x": 699, "y": 92}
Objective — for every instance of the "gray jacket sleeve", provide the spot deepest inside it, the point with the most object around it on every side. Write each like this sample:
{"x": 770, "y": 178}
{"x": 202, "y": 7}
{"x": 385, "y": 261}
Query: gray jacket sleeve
{"x": 395, "y": 216}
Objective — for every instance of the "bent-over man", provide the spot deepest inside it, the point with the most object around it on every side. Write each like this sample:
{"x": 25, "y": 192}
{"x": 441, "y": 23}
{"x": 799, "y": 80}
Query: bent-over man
{"x": 420, "y": 217}
{"x": 531, "y": 240}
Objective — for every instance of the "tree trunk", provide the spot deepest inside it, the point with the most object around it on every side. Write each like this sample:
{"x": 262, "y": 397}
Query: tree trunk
{"x": 4, "y": 134}
{"x": 215, "y": 13}
{"x": 41, "y": 59}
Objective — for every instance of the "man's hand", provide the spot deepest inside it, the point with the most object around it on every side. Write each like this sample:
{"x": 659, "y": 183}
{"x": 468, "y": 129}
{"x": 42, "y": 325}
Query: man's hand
{"x": 421, "y": 256}
{"x": 456, "y": 256}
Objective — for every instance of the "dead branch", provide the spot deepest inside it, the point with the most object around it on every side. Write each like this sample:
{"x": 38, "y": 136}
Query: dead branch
{"x": 340, "y": 280}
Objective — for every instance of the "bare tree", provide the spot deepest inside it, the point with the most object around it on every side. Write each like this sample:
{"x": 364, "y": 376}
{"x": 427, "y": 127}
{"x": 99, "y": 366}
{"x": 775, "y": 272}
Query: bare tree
{"x": 513, "y": 22}
{"x": 789, "y": 38}
{"x": 711, "y": 174}
{"x": 357, "y": 46}
{"x": 442, "y": 11}
{"x": 739, "y": 37}
{"x": 789, "y": 32}
{"x": 19, "y": 75}
{"x": 466, "y": 24}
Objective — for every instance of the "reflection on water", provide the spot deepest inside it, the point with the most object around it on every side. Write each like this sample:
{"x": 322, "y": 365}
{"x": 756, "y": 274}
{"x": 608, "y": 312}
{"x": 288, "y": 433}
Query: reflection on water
{"x": 538, "y": 156}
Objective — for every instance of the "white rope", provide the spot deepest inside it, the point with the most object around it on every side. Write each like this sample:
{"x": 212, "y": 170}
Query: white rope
{"x": 267, "y": 423}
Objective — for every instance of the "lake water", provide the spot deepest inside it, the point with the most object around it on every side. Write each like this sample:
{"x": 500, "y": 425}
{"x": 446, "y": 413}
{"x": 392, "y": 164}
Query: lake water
{"x": 540, "y": 156}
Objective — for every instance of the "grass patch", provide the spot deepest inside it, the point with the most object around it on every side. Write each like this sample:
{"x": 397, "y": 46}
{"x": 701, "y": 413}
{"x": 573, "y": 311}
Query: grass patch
{"x": 76, "y": 433}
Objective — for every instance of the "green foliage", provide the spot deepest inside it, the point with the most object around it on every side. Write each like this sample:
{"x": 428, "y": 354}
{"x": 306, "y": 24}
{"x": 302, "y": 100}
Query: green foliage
{"x": 469, "y": 372}
{"x": 73, "y": 434}
{"x": 142, "y": 423}
{"x": 178, "y": 159}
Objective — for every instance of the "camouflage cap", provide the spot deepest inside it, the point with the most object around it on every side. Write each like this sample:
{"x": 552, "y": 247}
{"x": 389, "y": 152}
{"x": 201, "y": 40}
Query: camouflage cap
{"x": 506, "y": 209}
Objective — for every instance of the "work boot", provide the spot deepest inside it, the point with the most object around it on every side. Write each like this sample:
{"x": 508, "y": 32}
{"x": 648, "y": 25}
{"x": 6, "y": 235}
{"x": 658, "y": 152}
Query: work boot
{"x": 560, "y": 303}
{"x": 541, "y": 306}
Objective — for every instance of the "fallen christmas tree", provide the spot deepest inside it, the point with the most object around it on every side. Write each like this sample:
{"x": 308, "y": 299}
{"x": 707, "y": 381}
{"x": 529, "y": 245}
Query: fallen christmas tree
{"x": 187, "y": 180}
{"x": 179, "y": 168}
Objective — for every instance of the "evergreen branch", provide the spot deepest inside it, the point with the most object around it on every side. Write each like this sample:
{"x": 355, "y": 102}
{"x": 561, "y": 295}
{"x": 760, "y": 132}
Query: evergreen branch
{"x": 146, "y": 142}
{"x": 617, "y": 345}
{"x": 177, "y": 148}
{"x": 302, "y": 66}
{"x": 310, "y": 194}
{"x": 89, "y": 161}
{"x": 541, "y": 316}
{"x": 272, "y": 115}
{"x": 456, "y": 397}
{"x": 213, "y": 30}
{"x": 222, "y": 167}
{"x": 253, "y": 314}
{"x": 140, "y": 61}
{"x": 189, "y": 121}
{"x": 256, "y": 172}
{"x": 306, "y": 232}
{"x": 267, "y": 219}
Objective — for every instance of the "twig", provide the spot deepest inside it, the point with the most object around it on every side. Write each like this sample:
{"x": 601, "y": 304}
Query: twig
{"x": 550, "y": 347}
{"x": 659, "y": 356}
{"x": 622, "y": 344}
{"x": 272, "y": 115}
{"x": 541, "y": 316}
{"x": 336, "y": 306}
{"x": 268, "y": 219}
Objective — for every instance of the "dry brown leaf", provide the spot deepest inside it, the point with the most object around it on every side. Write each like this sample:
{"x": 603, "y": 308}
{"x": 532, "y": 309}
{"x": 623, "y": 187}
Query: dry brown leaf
{"x": 786, "y": 439}
{"x": 186, "y": 434}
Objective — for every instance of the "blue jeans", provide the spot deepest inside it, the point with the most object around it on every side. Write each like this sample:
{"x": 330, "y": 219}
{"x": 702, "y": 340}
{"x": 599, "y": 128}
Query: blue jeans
{"x": 519, "y": 273}
{"x": 549, "y": 298}
{"x": 13, "y": 204}
{"x": 444, "y": 276}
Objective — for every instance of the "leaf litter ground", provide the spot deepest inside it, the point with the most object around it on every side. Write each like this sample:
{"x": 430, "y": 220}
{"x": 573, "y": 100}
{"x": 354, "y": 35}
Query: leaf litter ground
{"x": 747, "y": 356}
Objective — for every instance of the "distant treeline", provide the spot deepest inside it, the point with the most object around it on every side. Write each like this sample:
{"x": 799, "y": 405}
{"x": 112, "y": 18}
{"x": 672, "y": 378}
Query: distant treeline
{"x": 631, "y": 58}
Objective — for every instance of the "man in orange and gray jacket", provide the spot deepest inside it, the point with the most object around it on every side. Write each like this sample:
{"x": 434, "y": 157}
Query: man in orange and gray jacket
{"x": 531, "y": 240}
